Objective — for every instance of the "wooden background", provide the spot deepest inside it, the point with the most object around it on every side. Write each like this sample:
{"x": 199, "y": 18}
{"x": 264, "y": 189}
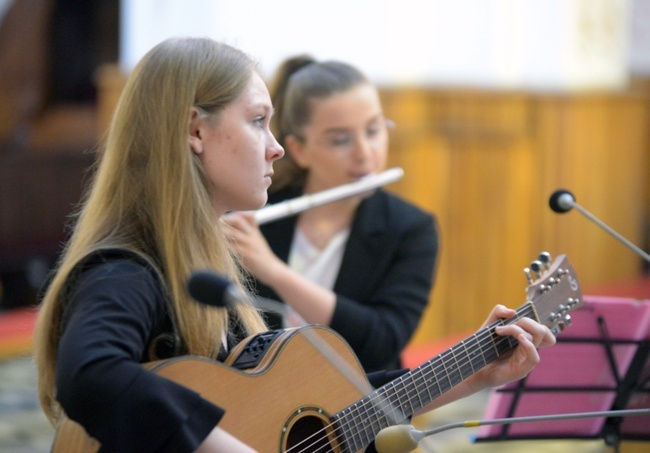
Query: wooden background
{"x": 486, "y": 163}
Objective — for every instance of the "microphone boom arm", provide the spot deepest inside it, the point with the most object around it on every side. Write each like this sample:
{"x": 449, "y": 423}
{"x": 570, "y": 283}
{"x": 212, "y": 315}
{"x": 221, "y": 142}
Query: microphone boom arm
{"x": 626, "y": 242}
{"x": 419, "y": 435}
{"x": 404, "y": 438}
{"x": 562, "y": 201}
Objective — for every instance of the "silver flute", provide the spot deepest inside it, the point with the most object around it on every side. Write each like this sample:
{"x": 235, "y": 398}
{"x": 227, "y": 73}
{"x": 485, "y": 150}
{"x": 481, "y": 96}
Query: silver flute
{"x": 294, "y": 206}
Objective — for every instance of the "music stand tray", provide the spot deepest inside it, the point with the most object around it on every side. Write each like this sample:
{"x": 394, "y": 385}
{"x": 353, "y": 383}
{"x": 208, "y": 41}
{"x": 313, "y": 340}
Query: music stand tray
{"x": 599, "y": 363}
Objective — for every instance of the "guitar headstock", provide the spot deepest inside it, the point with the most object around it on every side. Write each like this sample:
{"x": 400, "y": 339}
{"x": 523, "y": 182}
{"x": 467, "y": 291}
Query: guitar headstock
{"x": 554, "y": 291}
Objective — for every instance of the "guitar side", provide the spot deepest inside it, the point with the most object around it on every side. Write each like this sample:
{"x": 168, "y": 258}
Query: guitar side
{"x": 291, "y": 390}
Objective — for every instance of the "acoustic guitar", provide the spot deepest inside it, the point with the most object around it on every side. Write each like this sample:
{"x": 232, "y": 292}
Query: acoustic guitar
{"x": 303, "y": 389}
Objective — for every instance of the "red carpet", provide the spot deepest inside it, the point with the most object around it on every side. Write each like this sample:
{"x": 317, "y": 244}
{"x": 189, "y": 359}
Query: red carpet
{"x": 415, "y": 355}
{"x": 638, "y": 288}
{"x": 16, "y": 325}
{"x": 16, "y": 332}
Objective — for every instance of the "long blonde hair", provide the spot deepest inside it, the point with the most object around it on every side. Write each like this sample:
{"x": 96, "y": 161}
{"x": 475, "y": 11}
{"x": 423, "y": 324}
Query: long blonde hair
{"x": 150, "y": 195}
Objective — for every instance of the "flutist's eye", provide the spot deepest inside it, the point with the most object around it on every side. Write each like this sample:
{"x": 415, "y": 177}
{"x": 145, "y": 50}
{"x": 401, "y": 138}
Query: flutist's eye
{"x": 341, "y": 140}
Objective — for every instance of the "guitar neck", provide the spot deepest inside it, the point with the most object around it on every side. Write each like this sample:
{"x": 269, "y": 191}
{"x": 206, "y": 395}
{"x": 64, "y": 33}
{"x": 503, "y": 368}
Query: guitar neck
{"x": 399, "y": 399}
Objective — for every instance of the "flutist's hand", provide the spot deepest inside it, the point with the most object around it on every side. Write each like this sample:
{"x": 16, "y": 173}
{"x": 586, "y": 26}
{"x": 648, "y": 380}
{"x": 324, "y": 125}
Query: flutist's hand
{"x": 311, "y": 301}
{"x": 251, "y": 246}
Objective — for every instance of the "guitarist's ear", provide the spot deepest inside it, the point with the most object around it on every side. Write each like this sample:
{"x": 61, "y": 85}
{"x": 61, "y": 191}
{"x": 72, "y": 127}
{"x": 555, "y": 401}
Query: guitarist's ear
{"x": 196, "y": 121}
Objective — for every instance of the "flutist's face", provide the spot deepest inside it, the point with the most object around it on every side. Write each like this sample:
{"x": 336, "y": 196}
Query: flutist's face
{"x": 346, "y": 139}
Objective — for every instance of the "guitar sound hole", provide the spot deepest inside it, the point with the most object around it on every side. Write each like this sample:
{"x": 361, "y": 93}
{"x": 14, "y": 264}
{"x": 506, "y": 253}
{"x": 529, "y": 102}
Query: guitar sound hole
{"x": 311, "y": 434}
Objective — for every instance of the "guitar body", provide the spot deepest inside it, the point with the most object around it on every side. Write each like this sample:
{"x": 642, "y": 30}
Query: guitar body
{"x": 304, "y": 377}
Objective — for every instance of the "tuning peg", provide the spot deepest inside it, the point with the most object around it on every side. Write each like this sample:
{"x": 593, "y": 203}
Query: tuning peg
{"x": 528, "y": 276}
{"x": 536, "y": 266}
{"x": 545, "y": 258}
{"x": 567, "y": 320}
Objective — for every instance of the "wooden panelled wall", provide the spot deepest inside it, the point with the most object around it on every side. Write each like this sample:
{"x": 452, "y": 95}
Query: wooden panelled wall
{"x": 486, "y": 163}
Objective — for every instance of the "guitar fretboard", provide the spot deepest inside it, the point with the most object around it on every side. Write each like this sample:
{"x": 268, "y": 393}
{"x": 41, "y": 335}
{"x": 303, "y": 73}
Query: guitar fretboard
{"x": 393, "y": 403}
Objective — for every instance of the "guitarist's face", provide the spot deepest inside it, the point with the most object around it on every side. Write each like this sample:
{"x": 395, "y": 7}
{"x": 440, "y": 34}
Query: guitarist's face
{"x": 237, "y": 148}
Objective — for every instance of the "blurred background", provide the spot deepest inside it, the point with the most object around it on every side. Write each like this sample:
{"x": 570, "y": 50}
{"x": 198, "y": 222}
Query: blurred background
{"x": 497, "y": 104}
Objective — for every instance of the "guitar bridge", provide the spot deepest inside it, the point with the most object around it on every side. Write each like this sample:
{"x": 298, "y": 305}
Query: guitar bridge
{"x": 254, "y": 351}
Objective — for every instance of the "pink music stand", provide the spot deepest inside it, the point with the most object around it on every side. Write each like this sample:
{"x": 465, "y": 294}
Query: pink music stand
{"x": 599, "y": 363}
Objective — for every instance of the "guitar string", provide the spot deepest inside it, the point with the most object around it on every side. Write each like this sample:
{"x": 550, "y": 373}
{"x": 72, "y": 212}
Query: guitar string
{"x": 367, "y": 406}
{"x": 347, "y": 425}
{"x": 486, "y": 331}
{"x": 441, "y": 370}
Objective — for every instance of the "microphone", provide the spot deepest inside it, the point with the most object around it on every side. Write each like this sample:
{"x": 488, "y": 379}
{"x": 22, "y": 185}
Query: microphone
{"x": 562, "y": 201}
{"x": 405, "y": 438}
{"x": 210, "y": 288}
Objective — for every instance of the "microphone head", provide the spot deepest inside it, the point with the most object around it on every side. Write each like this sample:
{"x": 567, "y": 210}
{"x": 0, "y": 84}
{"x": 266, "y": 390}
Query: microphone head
{"x": 208, "y": 288}
{"x": 561, "y": 201}
{"x": 396, "y": 439}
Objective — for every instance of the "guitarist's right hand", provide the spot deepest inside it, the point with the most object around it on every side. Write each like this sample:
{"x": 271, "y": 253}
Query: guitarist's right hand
{"x": 219, "y": 441}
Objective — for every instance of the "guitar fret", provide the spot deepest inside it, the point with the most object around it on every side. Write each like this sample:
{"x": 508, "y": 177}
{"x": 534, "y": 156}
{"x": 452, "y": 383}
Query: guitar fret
{"x": 378, "y": 409}
{"x": 357, "y": 436}
{"x": 477, "y": 359}
{"x": 426, "y": 387}
{"x": 410, "y": 394}
{"x": 442, "y": 376}
{"x": 452, "y": 373}
{"x": 429, "y": 380}
{"x": 376, "y": 418}
{"x": 461, "y": 359}
{"x": 512, "y": 343}
{"x": 435, "y": 376}
{"x": 468, "y": 355}
{"x": 352, "y": 425}
{"x": 373, "y": 414}
{"x": 393, "y": 400}
{"x": 400, "y": 393}
{"x": 494, "y": 337}
{"x": 384, "y": 406}
{"x": 359, "y": 422}
{"x": 428, "y": 398}
{"x": 455, "y": 366}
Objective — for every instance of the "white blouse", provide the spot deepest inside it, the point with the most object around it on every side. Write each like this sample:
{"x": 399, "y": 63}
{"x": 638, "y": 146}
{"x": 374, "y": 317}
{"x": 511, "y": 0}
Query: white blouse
{"x": 319, "y": 266}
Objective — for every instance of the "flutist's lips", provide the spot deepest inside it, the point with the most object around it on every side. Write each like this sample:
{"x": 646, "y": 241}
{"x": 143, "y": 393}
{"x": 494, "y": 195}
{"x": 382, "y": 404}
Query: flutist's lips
{"x": 358, "y": 176}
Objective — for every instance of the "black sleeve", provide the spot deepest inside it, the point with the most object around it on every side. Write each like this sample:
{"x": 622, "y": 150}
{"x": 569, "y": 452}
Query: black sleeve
{"x": 100, "y": 381}
{"x": 379, "y": 328}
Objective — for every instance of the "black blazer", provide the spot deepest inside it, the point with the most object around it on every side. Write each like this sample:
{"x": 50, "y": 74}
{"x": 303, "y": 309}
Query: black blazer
{"x": 385, "y": 279}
